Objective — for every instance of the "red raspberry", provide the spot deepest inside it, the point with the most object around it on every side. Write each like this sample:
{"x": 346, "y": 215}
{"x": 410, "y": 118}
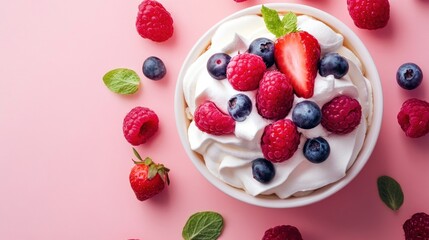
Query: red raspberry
{"x": 281, "y": 232}
{"x": 139, "y": 125}
{"x": 414, "y": 117}
{"x": 154, "y": 21}
{"x": 369, "y": 14}
{"x": 212, "y": 120}
{"x": 341, "y": 115}
{"x": 280, "y": 140}
{"x": 244, "y": 71}
{"x": 274, "y": 97}
{"x": 417, "y": 227}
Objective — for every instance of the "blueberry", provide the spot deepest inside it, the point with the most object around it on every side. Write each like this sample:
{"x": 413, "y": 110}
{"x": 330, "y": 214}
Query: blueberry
{"x": 316, "y": 150}
{"x": 264, "y": 48}
{"x": 263, "y": 170}
{"x": 306, "y": 114}
{"x": 409, "y": 76}
{"x": 333, "y": 64}
{"x": 216, "y": 65}
{"x": 239, "y": 107}
{"x": 153, "y": 68}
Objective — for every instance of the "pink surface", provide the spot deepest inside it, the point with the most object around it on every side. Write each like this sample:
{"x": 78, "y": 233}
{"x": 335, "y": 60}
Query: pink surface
{"x": 65, "y": 164}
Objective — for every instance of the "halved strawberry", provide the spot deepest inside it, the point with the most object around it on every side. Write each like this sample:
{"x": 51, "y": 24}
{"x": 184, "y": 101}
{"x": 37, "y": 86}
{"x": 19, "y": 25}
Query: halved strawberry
{"x": 296, "y": 55}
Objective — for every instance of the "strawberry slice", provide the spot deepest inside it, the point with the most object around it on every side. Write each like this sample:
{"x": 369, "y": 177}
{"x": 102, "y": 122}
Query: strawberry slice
{"x": 297, "y": 55}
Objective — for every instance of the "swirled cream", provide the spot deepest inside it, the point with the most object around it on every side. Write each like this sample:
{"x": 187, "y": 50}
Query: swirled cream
{"x": 229, "y": 157}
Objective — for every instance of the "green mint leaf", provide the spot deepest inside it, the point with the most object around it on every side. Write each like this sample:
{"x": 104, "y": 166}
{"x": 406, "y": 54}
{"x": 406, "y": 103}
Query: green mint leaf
{"x": 390, "y": 192}
{"x": 122, "y": 81}
{"x": 203, "y": 226}
{"x": 290, "y": 22}
{"x": 279, "y": 27}
{"x": 272, "y": 21}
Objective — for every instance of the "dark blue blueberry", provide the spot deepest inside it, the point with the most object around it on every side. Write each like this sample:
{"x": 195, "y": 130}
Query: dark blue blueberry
{"x": 333, "y": 64}
{"x": 263, "y": 170}
{"x": 264, "y": 48}
{"x": 316, "y": 150}
{"x": 306, "y": 114}
{"x": 239, "y": 107}
{"x": 154, "y": 68}
{"x": 409, "y": 76}
{"x": 216, "y": 65}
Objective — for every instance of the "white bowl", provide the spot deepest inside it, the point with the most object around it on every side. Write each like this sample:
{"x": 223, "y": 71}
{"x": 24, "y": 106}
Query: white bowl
{"x": 354, "y": 43}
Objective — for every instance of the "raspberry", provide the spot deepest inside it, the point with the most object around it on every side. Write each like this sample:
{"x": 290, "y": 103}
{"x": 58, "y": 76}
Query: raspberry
{"x": 274, "y": 97}
{"x": 244, "y": 71}
{"x": 414, "y": 117}
{"x": 282, "y": 232}
{"x": 341, "y": 115}
{"x": 139, "y": 125}
{"x": 417, "y": 227}
{"x": 210, "y": 119}
{"x": 280, "y": 140}
{"x": 369, "y": 14}
{"x": 154, "y": 21}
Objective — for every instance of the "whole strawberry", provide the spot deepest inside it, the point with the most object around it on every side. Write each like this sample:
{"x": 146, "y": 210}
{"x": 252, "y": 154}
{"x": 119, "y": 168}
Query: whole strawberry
{"x": 154, "y": 21}
{"x": 414, "y": 117}
{"x": 369, "y": 14}
{"x": 282, "y": 232}
{"x": 274, "y": 97}
{"x": 417, "y": 227}
{"x": 280, "y": 140}
{"x": 140, "y": 124}
{"x": 147, "y": 178}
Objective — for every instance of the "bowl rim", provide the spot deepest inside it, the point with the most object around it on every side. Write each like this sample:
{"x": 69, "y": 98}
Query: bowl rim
{"x": 372, "y": 133}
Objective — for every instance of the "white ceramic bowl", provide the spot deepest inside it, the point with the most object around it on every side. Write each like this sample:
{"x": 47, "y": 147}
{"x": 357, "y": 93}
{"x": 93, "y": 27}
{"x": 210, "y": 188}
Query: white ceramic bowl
{"x": 354, "y": 43}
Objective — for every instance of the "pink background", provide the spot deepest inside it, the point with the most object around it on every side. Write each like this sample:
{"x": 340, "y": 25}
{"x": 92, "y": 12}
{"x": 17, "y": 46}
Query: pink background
{"x": 65, "y": 163}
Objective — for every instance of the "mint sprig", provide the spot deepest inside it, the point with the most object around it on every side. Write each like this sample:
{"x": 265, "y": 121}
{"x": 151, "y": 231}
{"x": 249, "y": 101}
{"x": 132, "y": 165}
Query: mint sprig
{"x": 122, "y": 81}
{"x": 203, "y": 226}
{"x": 279, "y": 27}
{"x": 390, "y": 192}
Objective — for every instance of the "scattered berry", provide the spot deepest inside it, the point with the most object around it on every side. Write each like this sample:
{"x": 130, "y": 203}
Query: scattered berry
{"x": 417, "y": 227}
{"x": 316, "y": 150}
{"x": 264, "y": 48}
{"x": 139, "y": 125}
{"x": 297, "y": 55}
{"x": 147, "y": 178}
{"x": 409, "y": 76}
{"x": 341, "y": 115}
{"x": 333, "y": 64}
{"x": 306, "y": 114}
{"x": 244, "y": 71}
{"x": 216, "y": 65}
{"x": 282, "y": 232}
{"x": 154, "y": 68}
{"x": 369, "y": 14}
{"x": 210, "y": 119}
{"x": 239, "y": 107}
{"x": 414, "y": 117}
{"x": 274, "y": 97}
{"x": 154, "y": 21}
{"x": 263, "y": 170}
{"x": 280, "y": 140}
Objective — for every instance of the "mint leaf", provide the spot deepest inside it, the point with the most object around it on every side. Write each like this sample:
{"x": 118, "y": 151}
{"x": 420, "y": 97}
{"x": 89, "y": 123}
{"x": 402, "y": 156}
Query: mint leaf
{"x": 122, "y": 81}
{"x": 290, "y": 22}
{"x": 203, "y": 226}
{"x": 279, "y": 27}
{"x": 390, "y": 192}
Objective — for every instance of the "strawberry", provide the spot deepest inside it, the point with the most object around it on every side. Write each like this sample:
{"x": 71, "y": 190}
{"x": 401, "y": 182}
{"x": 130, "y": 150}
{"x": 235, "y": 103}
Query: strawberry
{"x": 147, "y": 178}
{"x": 296, "y": 55}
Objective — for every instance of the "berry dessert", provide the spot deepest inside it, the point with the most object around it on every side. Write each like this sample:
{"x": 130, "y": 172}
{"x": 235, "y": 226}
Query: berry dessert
{"x": 278, "y": 104}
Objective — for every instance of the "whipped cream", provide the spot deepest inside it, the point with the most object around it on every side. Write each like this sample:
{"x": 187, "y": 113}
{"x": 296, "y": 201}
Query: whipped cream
{"x": 229, "y": 157}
